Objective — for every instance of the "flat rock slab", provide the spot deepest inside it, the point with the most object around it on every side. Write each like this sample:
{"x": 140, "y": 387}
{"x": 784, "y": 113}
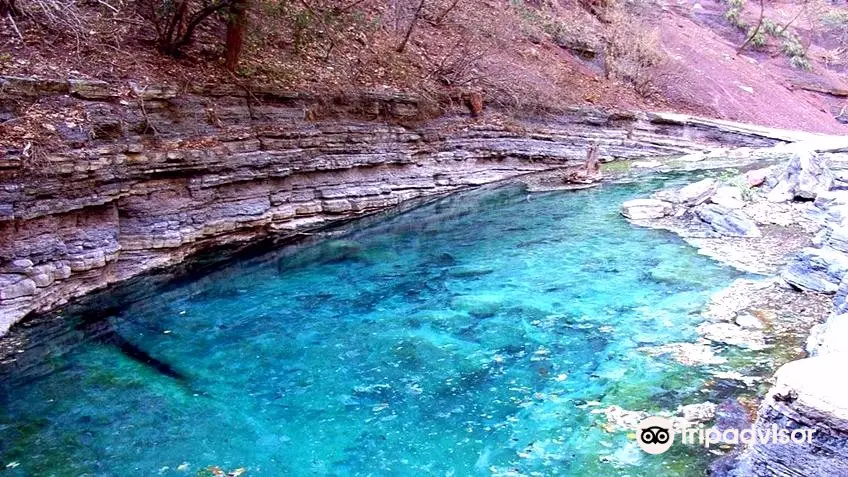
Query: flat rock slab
{"x": 640, "y": 209}
{"x": 727, "y": 221}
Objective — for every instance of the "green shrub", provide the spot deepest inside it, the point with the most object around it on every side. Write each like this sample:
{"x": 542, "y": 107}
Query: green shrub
{"x": 734, "y": 16}
{"x": 800, "y": 62}
{"x": 758, "y": 36}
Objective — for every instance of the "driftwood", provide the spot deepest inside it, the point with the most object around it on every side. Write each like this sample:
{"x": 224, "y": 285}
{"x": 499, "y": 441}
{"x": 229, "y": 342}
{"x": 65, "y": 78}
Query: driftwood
{"x": 589, "y": 172}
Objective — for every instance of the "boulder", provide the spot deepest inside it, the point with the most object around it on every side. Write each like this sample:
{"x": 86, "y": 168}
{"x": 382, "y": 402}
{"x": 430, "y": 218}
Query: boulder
{"x": 804, "y": 178}
{"x": 728, "y": 196}
{"x": 639, "y": 209}
{"x": 782, "y": 192}
{"x": 830, "y": 336}
{"x": 757, "y": 177}
{"x": 810, "y": 395}
{"x": 727, "y": 222}
{"x": 831, "y": 206}
{"x": 697, "y": 193}
{"x": 730, "y": 334}
{"x": 813, "y": 176}
{"x": 22, "y": 265}
{"x": 746, "y": 320}
{"x": 15, "y": 286}
{"x": 817, "y": 269}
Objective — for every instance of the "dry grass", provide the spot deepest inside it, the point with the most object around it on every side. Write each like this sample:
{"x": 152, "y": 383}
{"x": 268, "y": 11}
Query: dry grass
{"x": 632, "y": 49}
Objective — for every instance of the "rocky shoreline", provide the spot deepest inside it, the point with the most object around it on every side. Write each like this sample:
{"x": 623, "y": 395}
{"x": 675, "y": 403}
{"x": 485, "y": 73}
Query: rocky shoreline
{"x": 786, "y": 222}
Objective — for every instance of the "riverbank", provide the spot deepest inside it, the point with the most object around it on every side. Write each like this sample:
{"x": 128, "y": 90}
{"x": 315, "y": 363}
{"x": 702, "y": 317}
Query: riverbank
{"x": 138, "y": 185}
{"x": 785, "y": 222}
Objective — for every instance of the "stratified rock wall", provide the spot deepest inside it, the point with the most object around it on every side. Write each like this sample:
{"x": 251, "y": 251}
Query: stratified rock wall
{"x": 809, "y": 394}
{"x": 151, "y": 175}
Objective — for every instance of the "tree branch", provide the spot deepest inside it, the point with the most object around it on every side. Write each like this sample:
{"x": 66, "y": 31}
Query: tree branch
{"x": 756, "y": 30}
{"x": 402, "y": 46}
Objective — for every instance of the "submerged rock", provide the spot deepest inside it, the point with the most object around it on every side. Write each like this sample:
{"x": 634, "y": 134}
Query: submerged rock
{"x": 478, "y": 306}
{"x": 729, "y": 333}
{"x": 639, "y": 209}
{"x": 746, "y": 320}
{"x": 698, "y": 413}
{"x": 619, "y": 419}
{"x": 687, "y": 353}
{"x": 731, "y": 414}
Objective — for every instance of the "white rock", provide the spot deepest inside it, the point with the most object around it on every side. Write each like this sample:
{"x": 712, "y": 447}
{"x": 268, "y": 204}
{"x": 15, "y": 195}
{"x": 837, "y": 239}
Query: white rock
{"x": 729, "y": 333}
{"x": 687, "y": 353}
{"x": 698, "y": 413}
{"x": 749, "y": 321}
{"x": 829, "y": 337}
{"x": 728, "y": 196}
{"x": 639, "y": 209}
{"x": 693, "y": 157}
{"x": 782, "y": 192}
{"x": 646, "y": 164}
{"x": 697, "y": 193}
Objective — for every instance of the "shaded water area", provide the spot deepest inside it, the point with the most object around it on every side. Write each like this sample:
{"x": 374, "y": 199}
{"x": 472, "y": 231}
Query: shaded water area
{"x": 474, "y": 335}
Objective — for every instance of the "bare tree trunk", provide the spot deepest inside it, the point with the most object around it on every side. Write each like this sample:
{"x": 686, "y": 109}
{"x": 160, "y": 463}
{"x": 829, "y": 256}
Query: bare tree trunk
{"x": 756, "y": 30}
{"x": 800, "y": 12}
{"x": 412, "y": 24}
{"x": 172, "y": 32}
{"x": 7, "y": 7}
{"x": 235, "y": 33}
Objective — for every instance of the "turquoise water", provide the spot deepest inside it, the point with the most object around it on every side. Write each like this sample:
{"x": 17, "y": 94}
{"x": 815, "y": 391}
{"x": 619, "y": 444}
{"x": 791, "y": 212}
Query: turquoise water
{"x": 474, "y": 335}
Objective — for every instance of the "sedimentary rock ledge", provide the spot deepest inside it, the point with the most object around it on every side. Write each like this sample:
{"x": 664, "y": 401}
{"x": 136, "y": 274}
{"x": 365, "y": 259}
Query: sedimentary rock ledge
{"x": 144, "y": 175}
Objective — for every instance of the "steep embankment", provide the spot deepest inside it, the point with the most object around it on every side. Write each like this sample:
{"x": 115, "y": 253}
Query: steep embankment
{"x": 144, "y": 184}
{"x": 653, "y": 55}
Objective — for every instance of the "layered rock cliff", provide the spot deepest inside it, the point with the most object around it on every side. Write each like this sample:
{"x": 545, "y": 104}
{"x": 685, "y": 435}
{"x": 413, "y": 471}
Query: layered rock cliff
{"x": 147, "y": 176}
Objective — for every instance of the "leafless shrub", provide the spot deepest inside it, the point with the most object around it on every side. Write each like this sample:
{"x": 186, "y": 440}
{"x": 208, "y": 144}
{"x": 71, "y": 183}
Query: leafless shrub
{"x": 511, "y": 87}
{"x": 55, "y": 15}
{"x": 457, "y": 66}
{"x": 632, "y": 50}
{"x": 175, "y": 21}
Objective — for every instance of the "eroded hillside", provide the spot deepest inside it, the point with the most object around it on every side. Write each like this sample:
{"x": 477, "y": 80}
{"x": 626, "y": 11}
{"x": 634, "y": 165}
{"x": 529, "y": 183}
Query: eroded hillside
{"x": 517, "y": 54}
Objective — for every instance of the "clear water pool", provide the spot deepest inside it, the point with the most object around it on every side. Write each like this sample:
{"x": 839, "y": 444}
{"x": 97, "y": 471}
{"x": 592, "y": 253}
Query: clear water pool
{"x": 474, "y": 335}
